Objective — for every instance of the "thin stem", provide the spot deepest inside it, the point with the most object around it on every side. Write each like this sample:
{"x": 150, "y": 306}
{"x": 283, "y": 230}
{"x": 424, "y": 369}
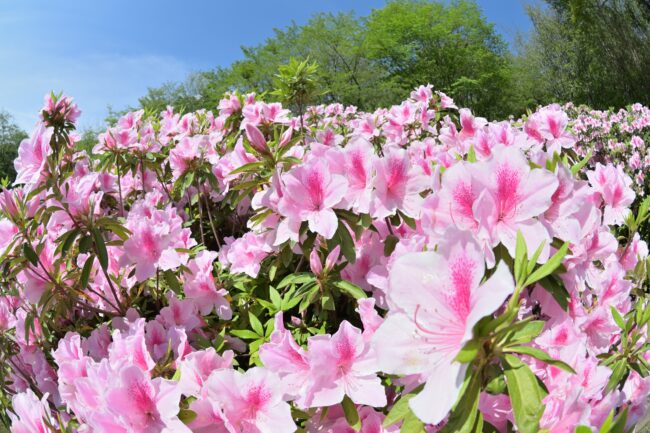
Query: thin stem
{"x": 119, "y": 185}
{"x": 198, "y": 202}
{"x": 212, "y": 226}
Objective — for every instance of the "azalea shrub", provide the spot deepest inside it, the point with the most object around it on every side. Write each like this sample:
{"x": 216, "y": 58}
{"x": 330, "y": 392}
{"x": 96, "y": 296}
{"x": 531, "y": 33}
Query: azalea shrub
{"x": 414, "y": 269}
{"x": 618, "y": 138}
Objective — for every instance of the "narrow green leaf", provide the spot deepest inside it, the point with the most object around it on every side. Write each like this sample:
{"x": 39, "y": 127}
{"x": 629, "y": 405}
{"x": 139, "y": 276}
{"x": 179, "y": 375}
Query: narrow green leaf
{"x": 549, "y": 267}
{"x": 524, "y": 332}
{"x": 85, "y": 272}
{"x": 542, "y": 356}
{"x": 351, "y": 414}
{"x": 618, "y": 318}
{"x": 102, "y": 254}
{"x": 521, "y": 261}
{"x": 275, "y": 298}
{"x": 351, "y": 289}
{"x": 172, "y": 281}
{"x": 621, "y": 421}
{"x": 581, "y": 164}
{"x": 346, "y": 242}
{"x": 533, "y": 260}
{"x": 246, "y": 334}
{"x": 256, "y": 324}
{"x": 525, "y": 394}
{"x": 30, "y": 254}
{"x": 557, "y": 290}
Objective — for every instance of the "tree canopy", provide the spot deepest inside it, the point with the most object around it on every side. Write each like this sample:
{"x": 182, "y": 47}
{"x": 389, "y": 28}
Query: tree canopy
{"x": 10, "y": 137}
{"x": 371, "y": 61}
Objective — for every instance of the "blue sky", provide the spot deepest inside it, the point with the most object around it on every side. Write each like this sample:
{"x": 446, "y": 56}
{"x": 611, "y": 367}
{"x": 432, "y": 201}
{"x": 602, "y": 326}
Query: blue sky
{"x": 109, "y": 52}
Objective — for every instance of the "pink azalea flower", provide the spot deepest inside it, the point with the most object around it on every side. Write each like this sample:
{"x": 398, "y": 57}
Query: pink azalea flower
{"x": 311, "y": 193}
{"x": 512, "y": 196}
{"x": 200, "y": 288}
{"x": 613, "y": 185}
{"x": 398, "y": 185}
{"x": 435, "y": 299}
{"x": 31, "y": 414}
{"x": 197, "y": 366}
{"x": 141, "y": 405}
{"x": 343, "y": 364}
{"x": 251, "y": 402}
{"x": 284, "y": 357}
{"x": 32, "y": 156}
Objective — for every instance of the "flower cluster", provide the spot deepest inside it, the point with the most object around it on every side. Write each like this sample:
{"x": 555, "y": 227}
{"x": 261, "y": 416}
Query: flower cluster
{"x": 616, "y": 137}
{"x": 414, "y": 269}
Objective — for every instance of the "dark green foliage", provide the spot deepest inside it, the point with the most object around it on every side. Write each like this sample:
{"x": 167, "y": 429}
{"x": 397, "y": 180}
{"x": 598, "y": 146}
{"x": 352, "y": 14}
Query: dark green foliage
{"x": 10, "y": 137}
{"x": 593, "y": 52}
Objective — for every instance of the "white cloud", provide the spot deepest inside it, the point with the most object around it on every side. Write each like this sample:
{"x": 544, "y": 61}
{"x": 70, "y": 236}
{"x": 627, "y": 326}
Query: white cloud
{"x": 95, "y": 81}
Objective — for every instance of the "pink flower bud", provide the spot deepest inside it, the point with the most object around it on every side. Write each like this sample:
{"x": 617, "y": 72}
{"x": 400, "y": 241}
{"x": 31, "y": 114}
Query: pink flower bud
{"x": 256, "y": 138}
{"x": 332, "y": 258}
{"x": 314, "y": 263}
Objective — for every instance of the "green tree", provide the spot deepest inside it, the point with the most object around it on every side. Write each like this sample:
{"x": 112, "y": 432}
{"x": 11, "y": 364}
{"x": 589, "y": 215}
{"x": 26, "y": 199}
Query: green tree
{"x": 372, "y": 61}
{"x": 451, "y": 46}
{"x": 10, "y": 137}
{"x": 593, "y": 52}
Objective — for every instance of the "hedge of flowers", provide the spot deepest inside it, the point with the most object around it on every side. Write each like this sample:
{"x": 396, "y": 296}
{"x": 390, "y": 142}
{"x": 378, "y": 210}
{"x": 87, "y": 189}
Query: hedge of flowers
{"x": 415, "y": 269}
{"x": 617, "y": 137}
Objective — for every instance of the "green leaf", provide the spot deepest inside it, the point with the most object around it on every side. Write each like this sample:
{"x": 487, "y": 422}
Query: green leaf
{"x": 85, "y": 272}
{"x": 525, "y": 394}
{"x": 246, "y": 334}
{"x": 412, "y": 424}
{"x": 524, "y": 332}
{"x": 66, "y": 241}
{"x": 468, "y": 352}
{"x": 618, "y": 373}
{"x": 256, "y": 324}
{"x": 580, "y": 165}
{"x": 102, "y": 254}
{"x": 607, "y": 424}
{"x": 521, "y": 257}
{"x": 351, "y": 289}
{"x": 177, "y": 375}
{"x": 549, "y": 267}
{"x": 621, "y": 421}
{"x": 533, "y": 260}
{"x": 583, "y": 429}
{"x": 557, "y": 290}
{"x": 618, "y": 318}
{"x": 172, "y": 281}
{"x": 346, "y": 242}
{"x": 351, "y": 414}
{"x": 541, "y": 355}
{"x": 30, "y": 254}
{"x": 389, "y": 244}
{"x": 400, "y": 409}
{"x": 85, "y": 244}
{"x": 464, "y": 415}
{"x": 275, "y": 298}
{"x": 301, "y": 278}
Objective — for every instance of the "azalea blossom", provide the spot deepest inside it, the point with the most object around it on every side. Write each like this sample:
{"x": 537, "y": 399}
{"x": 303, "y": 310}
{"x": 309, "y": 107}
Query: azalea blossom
{"x": 435, "y": 300}
{"x": 311, "y": 194}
